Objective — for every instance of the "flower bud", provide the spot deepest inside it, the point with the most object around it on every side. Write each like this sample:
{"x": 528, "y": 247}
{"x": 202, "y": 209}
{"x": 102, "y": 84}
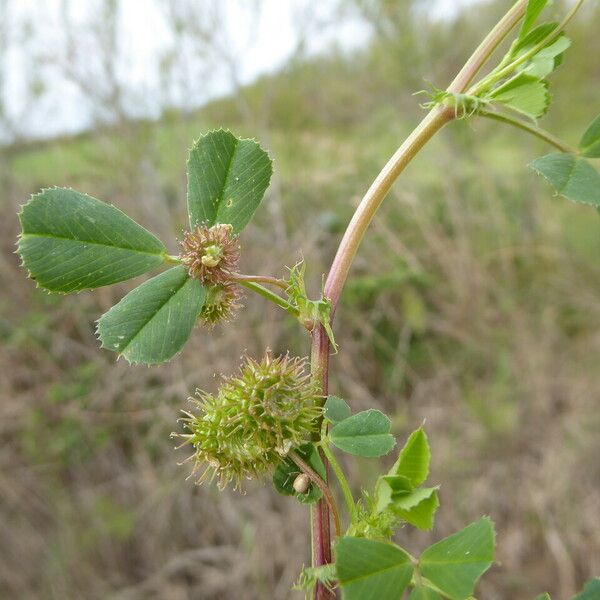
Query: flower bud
{"x": 210, "y": 254}
{"x": 221, "y": 304}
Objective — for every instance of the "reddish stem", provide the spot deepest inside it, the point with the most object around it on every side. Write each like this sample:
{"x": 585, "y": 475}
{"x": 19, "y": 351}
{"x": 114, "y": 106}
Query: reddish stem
{"x": 338, "y": 273}
{"x": 321, "y": 533}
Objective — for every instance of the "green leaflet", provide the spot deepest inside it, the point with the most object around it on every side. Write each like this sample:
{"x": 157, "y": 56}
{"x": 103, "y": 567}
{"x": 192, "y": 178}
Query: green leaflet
{"x": 455, "y": 563}
{"x": 414, "y": 458}
{"x": 386, "y": 487}
{"x": 424, "y": 593}
{"x": 365, "y": 434}
{"x": 533, "y": 38}
{"x": 548, "y": 59}
{"x": 418, "y": 507}
{"x": 590, "y": 142}
{"x": 227, "y": 178}
{"x": 533, "y": 11}
{"x": 336, "y": 409}
{"x": 372, "y": 570}
{"x": 397, "y": 492}
{"x": 286, "y": 472}
{"x": 153, "y": 322}
{"x": 591, "y": 590}
{"x": 571, "y": 176}
{"x": 71, "y": 242}
{"x": 545, "y": 596}
{"x": 524, "y": 94}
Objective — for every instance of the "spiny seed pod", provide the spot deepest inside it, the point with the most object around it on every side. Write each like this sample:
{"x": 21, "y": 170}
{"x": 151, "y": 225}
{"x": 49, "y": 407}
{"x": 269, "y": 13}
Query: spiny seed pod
{"x": 253, "y": 421}
{"x": 210, "y": 254}
{"x": 221, "y": 304}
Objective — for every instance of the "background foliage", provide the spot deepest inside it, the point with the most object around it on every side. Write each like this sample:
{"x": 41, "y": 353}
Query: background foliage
{"x": 473, "y": 304}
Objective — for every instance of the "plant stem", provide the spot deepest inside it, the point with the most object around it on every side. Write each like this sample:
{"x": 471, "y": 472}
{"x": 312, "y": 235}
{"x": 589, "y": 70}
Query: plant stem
{"x": 259, "y": 279}
{"x": 314, "y": 477}
{"x": 271, "y": 296}
{"x": 339, "y": 473}
{"x": 431, "y": 124}
{"x": 542, "y": 134}
{"x": 485, "y": 50}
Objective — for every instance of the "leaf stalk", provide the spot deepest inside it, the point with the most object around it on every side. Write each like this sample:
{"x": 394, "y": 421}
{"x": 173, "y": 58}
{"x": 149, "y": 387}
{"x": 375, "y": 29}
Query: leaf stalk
{"x": 271, "y": 296}
{"x": 538, "y": 132}
{"x": 339, "y": 473}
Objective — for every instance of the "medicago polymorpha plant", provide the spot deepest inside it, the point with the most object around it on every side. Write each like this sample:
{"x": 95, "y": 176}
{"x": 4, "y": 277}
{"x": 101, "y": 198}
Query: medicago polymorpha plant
{"x": 275, "y": 416}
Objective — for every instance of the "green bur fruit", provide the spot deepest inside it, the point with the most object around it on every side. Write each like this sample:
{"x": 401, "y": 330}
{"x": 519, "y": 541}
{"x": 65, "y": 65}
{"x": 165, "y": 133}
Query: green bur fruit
{"x": 253, "y": 421}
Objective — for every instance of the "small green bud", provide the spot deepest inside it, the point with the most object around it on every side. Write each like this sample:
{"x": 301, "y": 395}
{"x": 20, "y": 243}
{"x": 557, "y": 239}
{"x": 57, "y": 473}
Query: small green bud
{"x": 253, "y": 421}
{"x": 220, "y": 305}
{"x": 212, "y": 256}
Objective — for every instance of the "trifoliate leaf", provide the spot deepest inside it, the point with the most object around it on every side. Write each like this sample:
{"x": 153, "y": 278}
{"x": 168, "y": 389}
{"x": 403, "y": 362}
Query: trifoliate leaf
{"x": 372, "y": 570}
{"x": 365, "y": 434}
{"x": 532, "y": 12}
{"x": 414, "y": 458}
{"x": 227, "y": 178}
{"x": 524, "y": 94}
{"x": 591, "y": 590}
{"x": 424, "y": 593}
{"x": 417, "y": 507}
{"x": 153, "y": 322}
{"x": 336, "y": 409}
{"x": 71, "y": 241}
{"x": 545, "y": 596}
{"x": 590, "y": 142}
{"x": 286, "y": 472}
{"x": 455, "y": 563}
{"x": 571, "y": 176}
{"x": 546, "y": 60}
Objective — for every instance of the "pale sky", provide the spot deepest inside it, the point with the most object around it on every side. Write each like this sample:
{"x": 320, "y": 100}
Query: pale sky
{"x": 36, "y": 38}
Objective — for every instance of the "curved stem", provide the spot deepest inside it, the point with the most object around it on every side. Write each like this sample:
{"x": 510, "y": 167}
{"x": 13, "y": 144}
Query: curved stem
{"x": 339, "y": 473}
{"x": 314, "y": 477}
{"x": 271, "y": 296}
{"x": 259, "y": 279}
{"x": 368, "y": 206}
{"x": 485, "y": 50}
{"x": 542, "y": 134}
{"x": 431, "y": 124}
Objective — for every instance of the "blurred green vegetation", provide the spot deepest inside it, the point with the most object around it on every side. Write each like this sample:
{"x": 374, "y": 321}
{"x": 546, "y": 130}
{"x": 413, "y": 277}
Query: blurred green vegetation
{"x": 473, "y": 304}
